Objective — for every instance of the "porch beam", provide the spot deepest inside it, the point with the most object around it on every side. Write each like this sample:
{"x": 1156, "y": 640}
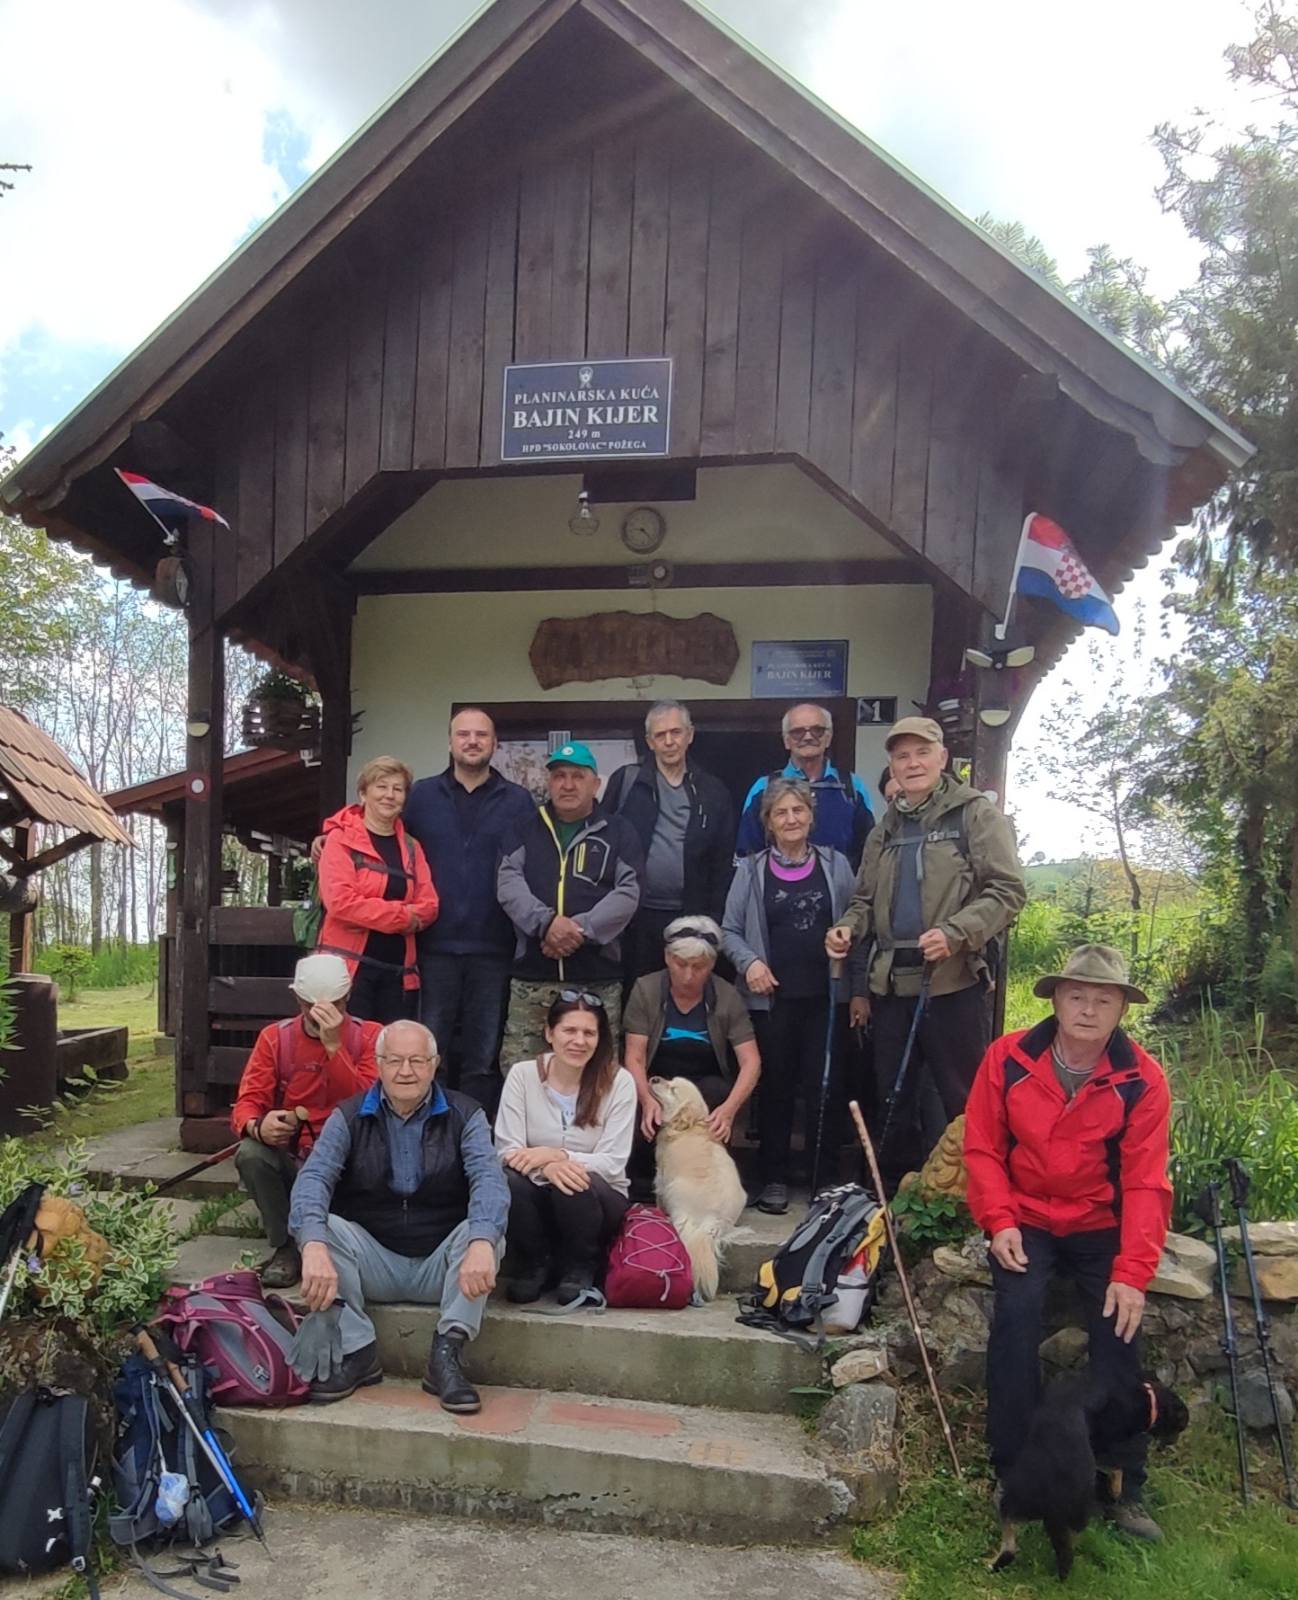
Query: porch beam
{"x": 698, "y": 575}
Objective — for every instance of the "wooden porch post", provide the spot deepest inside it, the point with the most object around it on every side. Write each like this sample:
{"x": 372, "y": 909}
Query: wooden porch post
{"x": 201, "y": 860}
{"x": 20, "y": 928}
{"x": 331, "y": 660}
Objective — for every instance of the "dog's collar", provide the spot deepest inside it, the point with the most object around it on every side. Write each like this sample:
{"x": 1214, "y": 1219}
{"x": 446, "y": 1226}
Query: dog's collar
{"x": 1153, "y": 1406}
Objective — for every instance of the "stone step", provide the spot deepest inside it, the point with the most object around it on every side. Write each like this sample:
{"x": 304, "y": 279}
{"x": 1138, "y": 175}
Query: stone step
{"x": 566, "y": 1459}
{"x": 697, "y": 1357}
{"x": 753, "y": 1242}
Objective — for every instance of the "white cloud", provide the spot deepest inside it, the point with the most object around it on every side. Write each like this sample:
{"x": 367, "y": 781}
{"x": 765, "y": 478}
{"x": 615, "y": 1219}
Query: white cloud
{"x": 145, "y": 138}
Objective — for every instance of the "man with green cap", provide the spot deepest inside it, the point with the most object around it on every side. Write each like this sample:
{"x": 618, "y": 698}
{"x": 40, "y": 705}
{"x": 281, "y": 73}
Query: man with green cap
{"x": 1066, "y": 1146}
{"x": 569, "y": 881}
{"x": 939, "y": 880}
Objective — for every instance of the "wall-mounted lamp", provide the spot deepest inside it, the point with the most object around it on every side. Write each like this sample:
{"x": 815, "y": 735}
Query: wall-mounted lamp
{"x": 583, "y": 521}
{"x": 994, "y": 707}
{"x": 199, "y": 724}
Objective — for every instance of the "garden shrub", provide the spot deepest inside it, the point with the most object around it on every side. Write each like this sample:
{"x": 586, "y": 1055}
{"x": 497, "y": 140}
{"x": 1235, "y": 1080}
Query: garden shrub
{"x": 136, "y": 1227}
{"x": 1229, "y": 1100}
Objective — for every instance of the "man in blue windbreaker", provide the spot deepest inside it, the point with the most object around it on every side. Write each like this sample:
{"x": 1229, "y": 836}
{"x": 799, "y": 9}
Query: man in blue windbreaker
{"x": 843, "y": 815}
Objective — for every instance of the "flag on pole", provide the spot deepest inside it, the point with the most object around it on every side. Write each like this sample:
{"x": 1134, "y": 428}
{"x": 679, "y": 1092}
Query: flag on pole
{"x": 170, "y": 510}
{"x": 1048, "y": 566}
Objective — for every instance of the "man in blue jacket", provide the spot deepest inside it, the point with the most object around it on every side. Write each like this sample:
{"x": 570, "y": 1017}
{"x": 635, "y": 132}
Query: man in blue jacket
{"x": 843, "y": 815}
{"x": 460, "y": 818}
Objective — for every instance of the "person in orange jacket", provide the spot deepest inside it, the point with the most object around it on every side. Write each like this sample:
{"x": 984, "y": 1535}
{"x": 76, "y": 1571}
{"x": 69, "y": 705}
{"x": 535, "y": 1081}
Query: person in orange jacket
{"x": 314, "y": 1060}
{"x": 1066, "y": 1147}
{"x": 377, "y": 893}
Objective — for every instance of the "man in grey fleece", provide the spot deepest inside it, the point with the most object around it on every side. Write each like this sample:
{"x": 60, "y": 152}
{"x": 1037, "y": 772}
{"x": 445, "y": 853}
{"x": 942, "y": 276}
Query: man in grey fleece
{"x": 401, "y": 1198}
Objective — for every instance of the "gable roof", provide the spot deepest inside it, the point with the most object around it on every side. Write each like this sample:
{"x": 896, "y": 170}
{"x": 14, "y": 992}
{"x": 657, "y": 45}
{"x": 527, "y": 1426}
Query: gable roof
{"x": 38, "y": 783}
{"x": 762, "y": 103}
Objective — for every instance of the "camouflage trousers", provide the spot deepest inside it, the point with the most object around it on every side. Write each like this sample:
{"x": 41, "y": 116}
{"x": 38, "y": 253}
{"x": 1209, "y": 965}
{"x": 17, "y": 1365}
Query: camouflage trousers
{"x": 529, "y": 1001}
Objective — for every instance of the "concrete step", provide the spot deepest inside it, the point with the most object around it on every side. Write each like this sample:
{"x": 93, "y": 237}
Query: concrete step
{"x": 566, "y": 1459}
{"x": 754, "y": 1240}
{"x": 697, "y": 1357}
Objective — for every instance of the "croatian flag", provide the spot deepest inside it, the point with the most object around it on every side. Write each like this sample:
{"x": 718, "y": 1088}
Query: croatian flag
{"x": 1049, "y": 567}
{"x": 169, "y": 509}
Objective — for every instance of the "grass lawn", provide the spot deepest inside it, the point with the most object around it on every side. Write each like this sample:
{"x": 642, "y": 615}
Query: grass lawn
{"x": 135, "y": 1004}
{"x": 944, "y": 1532}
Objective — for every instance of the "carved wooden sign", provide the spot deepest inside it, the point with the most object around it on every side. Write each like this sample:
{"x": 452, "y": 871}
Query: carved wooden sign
{"x": 633, "y": 644}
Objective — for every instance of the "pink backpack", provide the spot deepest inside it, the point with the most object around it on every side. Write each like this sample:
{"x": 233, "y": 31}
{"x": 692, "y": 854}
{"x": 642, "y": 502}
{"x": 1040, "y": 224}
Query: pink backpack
{"x": 648, "y": 1268}
{"x": 240, "y": 1334}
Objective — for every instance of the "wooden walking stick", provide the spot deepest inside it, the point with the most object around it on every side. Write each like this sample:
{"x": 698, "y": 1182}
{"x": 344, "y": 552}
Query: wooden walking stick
{"x": 872, "y": 1162}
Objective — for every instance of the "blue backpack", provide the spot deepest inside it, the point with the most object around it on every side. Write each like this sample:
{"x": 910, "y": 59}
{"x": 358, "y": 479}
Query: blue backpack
{"x": 152, "y": 1438}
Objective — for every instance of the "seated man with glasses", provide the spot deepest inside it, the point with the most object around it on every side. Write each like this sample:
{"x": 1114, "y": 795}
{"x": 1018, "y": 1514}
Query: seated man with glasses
{"x": 843, "y": 815}
{"x": 403, "y": 1198}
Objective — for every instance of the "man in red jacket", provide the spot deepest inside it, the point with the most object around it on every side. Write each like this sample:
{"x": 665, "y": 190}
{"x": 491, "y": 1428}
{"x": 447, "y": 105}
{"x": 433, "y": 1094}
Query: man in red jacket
{"x": 1066, "y": 1145}
{"x": 314, "y": 1060}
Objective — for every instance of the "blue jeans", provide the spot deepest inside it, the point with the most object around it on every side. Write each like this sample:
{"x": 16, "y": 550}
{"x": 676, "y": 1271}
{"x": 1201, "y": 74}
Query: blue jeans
{"x": 367, "y": 1271}
{"x": 473, "y": 991}
{"x": 1013, "y": 1365}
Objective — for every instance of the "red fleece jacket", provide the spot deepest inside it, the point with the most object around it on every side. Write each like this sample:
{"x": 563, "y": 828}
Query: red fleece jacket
{"x": 1099, "y": 1160}
{"x": 352, "y": 879}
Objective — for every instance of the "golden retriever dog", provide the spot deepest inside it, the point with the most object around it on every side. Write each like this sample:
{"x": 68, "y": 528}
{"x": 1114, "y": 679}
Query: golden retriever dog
{"x": 697, "y": 1184}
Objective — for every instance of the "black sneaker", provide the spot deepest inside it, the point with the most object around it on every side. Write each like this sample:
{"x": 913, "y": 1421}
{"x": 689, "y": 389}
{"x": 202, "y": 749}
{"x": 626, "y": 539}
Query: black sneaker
{"x": 774, "y": 1199}
{"x": 573, "y": 1285}
{"x": 282, "y": 1269}
{"x": 445, "y": 1378}
{"x": 358, "y": 1371}
{"x": 528, "y": 1286}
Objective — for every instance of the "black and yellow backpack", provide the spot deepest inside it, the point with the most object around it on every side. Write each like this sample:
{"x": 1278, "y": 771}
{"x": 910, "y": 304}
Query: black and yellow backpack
{"x": 799, "y": 1283}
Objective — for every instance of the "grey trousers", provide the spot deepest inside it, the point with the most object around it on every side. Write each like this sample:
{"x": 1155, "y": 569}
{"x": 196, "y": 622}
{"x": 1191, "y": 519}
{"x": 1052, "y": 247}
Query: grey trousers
{"x": 267, "y": 1174}
{"x": 369, "y": 1272}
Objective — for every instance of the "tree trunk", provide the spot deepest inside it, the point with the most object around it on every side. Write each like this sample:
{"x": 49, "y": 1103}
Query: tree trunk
{"x": 1293, "y": 903}
{"x": 1252, "y": 835}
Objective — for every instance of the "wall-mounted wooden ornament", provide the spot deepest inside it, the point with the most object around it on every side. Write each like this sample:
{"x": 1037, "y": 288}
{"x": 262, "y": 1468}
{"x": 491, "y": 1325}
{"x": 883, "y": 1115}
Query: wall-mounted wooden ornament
{"x": 633, "y": 644}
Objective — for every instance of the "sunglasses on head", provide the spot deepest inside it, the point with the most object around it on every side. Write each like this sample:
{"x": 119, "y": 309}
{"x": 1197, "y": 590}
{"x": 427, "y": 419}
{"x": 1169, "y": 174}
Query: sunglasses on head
{"x": 706, "y": 934}
{"x": 572, "y": 996}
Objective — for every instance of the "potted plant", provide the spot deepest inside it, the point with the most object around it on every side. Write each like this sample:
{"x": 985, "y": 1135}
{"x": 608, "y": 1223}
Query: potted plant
{"x": 280, "y": 712}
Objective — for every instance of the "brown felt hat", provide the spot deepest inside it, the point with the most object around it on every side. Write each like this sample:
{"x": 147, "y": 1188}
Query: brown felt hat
{"x": 1092, "y": 963}
{"x": 922, "y": 728}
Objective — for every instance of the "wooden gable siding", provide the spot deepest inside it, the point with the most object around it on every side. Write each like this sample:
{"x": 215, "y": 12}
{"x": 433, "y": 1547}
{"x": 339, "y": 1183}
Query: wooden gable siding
{"x": 789, "y": 336}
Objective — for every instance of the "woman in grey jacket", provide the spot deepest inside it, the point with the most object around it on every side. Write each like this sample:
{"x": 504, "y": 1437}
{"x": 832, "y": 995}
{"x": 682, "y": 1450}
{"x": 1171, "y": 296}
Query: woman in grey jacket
{"x": 780, "y": 905}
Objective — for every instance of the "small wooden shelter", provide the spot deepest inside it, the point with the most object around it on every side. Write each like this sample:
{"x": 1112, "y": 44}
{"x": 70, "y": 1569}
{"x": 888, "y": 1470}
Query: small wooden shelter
{"x": 604, "y": 315}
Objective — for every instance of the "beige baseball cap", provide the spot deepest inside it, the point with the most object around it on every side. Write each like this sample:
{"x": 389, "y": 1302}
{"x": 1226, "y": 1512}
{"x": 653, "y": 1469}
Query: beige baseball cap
{"x": 921, "y": 727}
{"x": 320, "y": 977}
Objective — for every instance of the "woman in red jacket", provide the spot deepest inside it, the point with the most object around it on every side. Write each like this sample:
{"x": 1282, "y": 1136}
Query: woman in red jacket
{"x": 377, "y": 893}
{"x": 1066, "y": 1145}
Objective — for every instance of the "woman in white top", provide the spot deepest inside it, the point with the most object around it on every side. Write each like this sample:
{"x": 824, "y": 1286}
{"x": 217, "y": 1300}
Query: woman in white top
{"x": 564, "y": 1132}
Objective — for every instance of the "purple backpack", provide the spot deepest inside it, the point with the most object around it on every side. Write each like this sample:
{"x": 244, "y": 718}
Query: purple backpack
{"x": 240, "y": 1334}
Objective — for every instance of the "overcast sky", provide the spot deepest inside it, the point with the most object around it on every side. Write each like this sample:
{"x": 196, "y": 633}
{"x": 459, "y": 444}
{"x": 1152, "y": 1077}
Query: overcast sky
{"x": 161, "y": 131}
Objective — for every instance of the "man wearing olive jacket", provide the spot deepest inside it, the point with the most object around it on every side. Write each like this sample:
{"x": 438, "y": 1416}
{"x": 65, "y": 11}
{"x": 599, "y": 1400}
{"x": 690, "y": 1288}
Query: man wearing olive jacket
{"x": 940, "y": 879}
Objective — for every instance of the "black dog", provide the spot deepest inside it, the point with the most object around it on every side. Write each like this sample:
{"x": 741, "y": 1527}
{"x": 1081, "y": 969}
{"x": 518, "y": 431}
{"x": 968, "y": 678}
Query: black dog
{"x": 1077, "y": 1424}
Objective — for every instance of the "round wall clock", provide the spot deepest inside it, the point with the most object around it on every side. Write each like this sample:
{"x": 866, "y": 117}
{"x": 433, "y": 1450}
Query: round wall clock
{"x": 643, "y": 530}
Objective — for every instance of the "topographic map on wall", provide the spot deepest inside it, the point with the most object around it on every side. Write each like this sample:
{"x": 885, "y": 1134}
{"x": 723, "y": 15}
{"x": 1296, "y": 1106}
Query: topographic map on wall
{"x": 523, "y": 760}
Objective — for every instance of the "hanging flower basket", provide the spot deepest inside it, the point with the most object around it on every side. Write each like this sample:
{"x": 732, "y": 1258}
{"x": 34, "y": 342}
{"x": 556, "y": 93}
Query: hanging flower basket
{"x": 278, "y": 714}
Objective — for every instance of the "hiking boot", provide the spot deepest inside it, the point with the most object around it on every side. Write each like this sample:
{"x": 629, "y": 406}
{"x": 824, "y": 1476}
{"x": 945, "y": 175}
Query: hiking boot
{"x": 574, "y": 1284}
{"x": 358, "y": 1371}
{"x": 774, "y": 1199}
{"x": 527, "y": 1286}
{"x": 445, "y": 1378}
{"x": 1130, "y": 1517}
{"x": 282, "y": 1269}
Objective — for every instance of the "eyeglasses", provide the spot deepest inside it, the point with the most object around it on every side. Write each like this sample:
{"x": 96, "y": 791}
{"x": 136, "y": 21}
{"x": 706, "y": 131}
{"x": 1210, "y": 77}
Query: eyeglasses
{"x": 808, "y": 733}
{"x": 415, "y": 1061}
{"x": 570, "y": 997}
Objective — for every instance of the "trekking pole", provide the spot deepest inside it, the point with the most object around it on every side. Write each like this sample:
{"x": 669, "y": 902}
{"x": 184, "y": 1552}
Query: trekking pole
{"x": 300, "y": 1112}
{"x": 17, "y": 1226}
{"x": 1239, "y": 1187}
{"x": 1208, "y": 1208}
{"x": 182, "y": 1397}
{"x": 921, "y": 1006}
{"x": 872, "y": 1162}
{"x": 836, "y": 965}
